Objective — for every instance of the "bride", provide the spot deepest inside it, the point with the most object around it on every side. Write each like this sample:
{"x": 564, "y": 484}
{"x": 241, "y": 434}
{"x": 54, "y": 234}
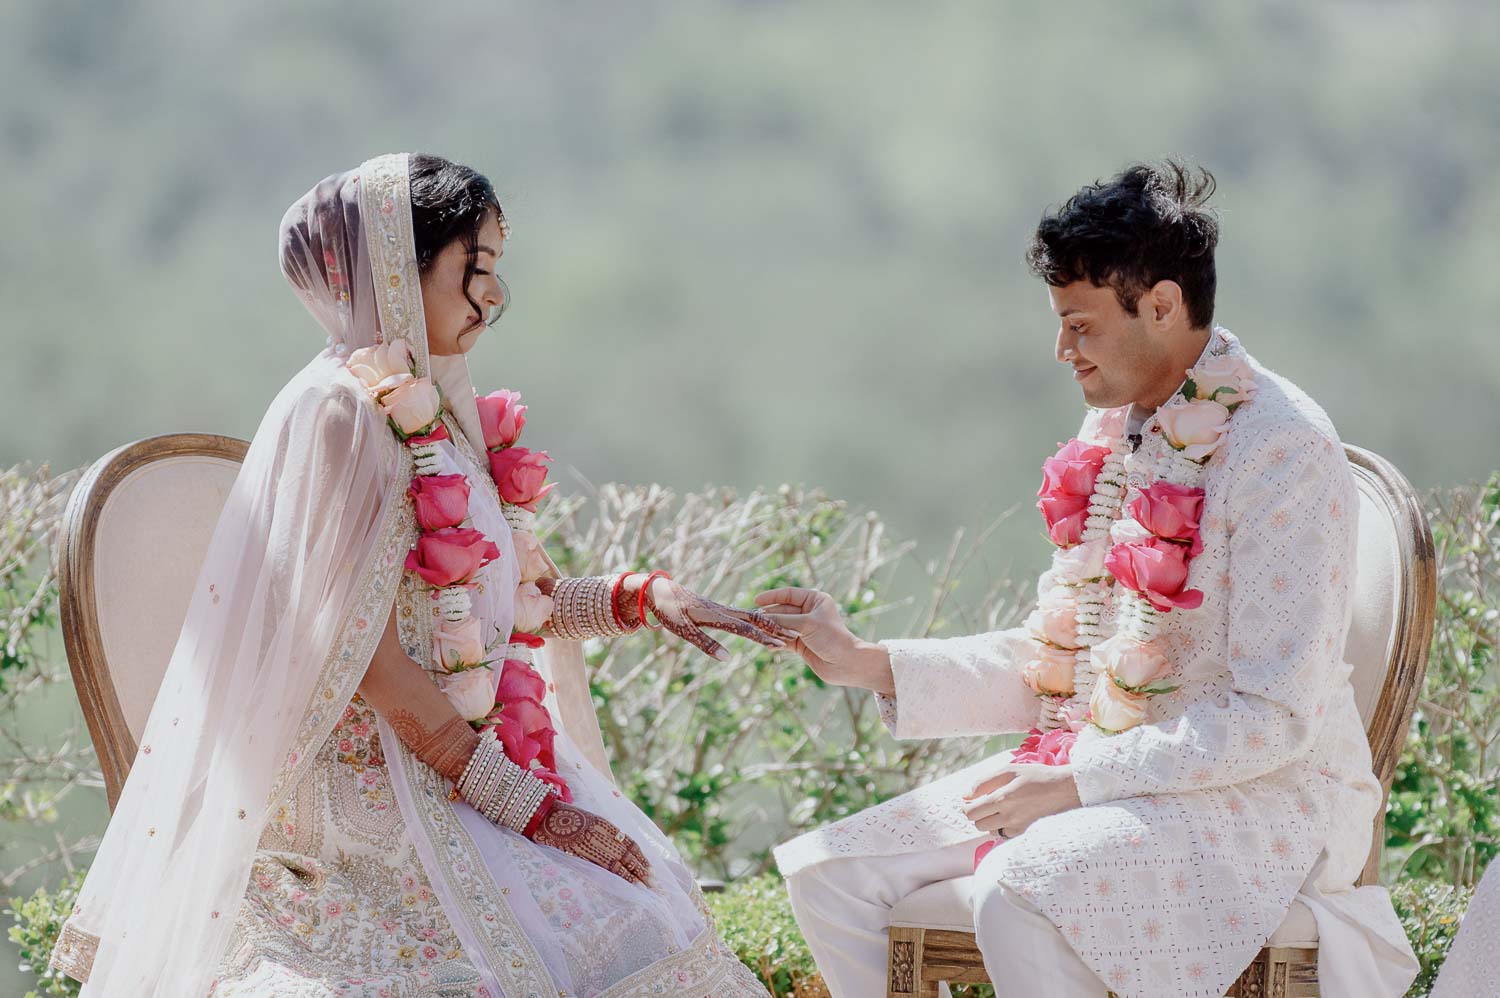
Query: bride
{"x": 362, "y": 772}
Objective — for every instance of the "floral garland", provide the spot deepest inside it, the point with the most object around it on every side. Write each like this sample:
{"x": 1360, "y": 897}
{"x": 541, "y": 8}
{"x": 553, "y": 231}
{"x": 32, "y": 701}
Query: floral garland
{"x": 448, "y": 555}
{"x": 1083, "y": 679}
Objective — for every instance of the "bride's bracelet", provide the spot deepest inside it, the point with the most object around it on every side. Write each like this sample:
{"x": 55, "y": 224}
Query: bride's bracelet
{"x": 502, "y": 791}
{"x": 585, "y": 608}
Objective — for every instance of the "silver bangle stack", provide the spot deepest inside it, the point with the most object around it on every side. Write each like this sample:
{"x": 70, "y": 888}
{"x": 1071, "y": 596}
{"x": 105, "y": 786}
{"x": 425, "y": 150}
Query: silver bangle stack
{"x": 584, "y": 608}
{"x": 499, "y": 789}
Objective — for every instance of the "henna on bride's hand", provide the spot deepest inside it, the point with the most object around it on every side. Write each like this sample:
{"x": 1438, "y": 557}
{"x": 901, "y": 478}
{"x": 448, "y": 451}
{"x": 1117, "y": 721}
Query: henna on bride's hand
{"x": 446, "y": 749}
{"x": 592, "y": 838}
{"x": 691, "y": 613}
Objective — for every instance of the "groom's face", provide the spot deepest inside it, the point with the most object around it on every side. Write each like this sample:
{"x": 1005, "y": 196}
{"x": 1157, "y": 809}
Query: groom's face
{"x": 1109, "y": 352}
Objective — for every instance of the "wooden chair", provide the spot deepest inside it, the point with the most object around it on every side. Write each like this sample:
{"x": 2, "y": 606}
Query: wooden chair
{"x": 932, "y": 936}
{"x": 131, "y": 544}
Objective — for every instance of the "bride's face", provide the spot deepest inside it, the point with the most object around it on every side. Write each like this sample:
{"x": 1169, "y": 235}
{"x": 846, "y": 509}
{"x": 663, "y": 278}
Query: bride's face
{"x": 454, "y": 321}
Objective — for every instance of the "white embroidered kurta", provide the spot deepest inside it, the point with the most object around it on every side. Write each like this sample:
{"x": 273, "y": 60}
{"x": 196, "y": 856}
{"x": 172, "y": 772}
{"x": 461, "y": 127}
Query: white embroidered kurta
{"x": 1201, "y": 825}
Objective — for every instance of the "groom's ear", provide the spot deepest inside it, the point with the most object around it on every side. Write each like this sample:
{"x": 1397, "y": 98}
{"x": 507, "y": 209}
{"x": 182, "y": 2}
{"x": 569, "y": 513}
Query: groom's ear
{"x": 1162, "y": 305}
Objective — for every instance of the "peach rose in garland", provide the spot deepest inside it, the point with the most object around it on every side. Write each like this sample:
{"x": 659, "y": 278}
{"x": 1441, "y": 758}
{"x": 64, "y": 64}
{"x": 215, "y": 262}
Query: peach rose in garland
{"x": 1227, "y": 380}
{"x": 1050, "y": 673}
{"x": 412, "y": 406}
{"x": 1067, "y": 485}
{"x": 1055, "y": 619}
{"x": 471, "y": 692}
{"x": 520, "y": 476}
{"x": 458, "y": 644}
{"x": 532, "y": 607}
{"x": 439, "y": 500}
{"x": 1171, "y": 512}
{"x": 374, "y": 365}
{"x": 502, "y": 417}
{"x": 1156, "y": 569}
{"x": 450, "y": 556}
{"x": 1194, "y": 428}
{"x": 530, "y": 555}
{"x": 1114, "y": 709}
{"x": 1135, "y": 666}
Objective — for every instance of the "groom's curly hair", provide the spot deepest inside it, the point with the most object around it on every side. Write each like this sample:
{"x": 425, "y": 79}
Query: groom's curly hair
{"x": 1150, "y": 223}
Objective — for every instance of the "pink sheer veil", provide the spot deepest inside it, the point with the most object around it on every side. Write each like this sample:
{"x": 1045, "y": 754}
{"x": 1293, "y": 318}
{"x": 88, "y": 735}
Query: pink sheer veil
{"x": 296, "y": 585}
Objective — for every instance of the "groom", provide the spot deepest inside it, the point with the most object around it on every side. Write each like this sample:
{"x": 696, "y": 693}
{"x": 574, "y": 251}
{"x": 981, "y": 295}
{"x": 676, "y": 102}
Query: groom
{"x": 1197, "y": 762}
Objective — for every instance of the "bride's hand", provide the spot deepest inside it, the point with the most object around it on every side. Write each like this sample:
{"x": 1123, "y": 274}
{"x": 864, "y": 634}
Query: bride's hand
{"x": 586, "y": 835}
{"x": 685, "y": 614}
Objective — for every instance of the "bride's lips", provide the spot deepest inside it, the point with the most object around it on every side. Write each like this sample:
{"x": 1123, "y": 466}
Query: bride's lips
{"x": 1080, "y": 373}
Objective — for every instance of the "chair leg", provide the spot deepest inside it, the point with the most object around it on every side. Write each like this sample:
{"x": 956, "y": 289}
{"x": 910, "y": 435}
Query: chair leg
{"x": 904, "y": 965}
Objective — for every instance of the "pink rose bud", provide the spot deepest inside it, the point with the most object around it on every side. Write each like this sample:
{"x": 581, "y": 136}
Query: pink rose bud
{"x": 439, "y": 500}
{"x": 518, "y": 680}
{"x": 1115, "y": 710}
{"x": 1050, "y": 673}
{"x": 519, "y": 474}
{"x": 458, "y": 644}
{"x": 530, "y": 555}
{"x": 450, "y": 556}
{"x": 413, "y": 406}
{"x": 532, "y": 608}
{"x": 372, "y": 365}
{"x": 502, "y": 417}
{"x": 1112, "y": 422}
{"x": 1171, "y": 512}
{"x": 1157, "y": 570}
{"x": 1138, "y": 666}
{"x": 1195, "y": 428}
{"x": 549, "y": 776}
{"x": 1049, "y": 749}
{"x": 472, "y": 692}
{"x": 1074, "y": 715}
{"x": 1228, "y": 380}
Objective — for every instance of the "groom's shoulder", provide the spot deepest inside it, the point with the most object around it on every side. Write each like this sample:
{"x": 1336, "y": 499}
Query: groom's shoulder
{"x": 1281, "y": 415}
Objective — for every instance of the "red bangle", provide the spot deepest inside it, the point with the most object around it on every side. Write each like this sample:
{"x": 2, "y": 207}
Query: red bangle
{"x": 541, "y": 812}
{"x": 614, "y": 602}
{"x": 650, "y": 578}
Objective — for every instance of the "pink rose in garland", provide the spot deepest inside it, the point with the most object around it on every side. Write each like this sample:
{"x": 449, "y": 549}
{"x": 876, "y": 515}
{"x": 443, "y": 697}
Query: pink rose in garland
{"x": 520, "y": 475}
{"x": 518, "y": 680}
{"x": 1156, "y": 569}
{"x": 530, "y": 556}
{"x": 1171, "y": 512}
{"x": 1049, "y": 749}
{"x": 1227, "y": 380}
{"x": 1067, "y": 485}
{"x": 1114, "y": 709}
{"x": 450, "y": 556}
{"x": 525, "y": 730}
{"x": 1136, "y": 666}
{"x": 502, "y": 417}
{"x": 469, "y": 692}
{"x": 439, "y": 500}
{"x": 532, "y": 607}
{"x": 1194, "y": 428}
{"x": 548, "y": 776}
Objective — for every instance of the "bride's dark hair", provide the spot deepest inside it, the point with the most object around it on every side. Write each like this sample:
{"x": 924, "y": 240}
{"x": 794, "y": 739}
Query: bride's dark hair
{"x": 449, "y": 202}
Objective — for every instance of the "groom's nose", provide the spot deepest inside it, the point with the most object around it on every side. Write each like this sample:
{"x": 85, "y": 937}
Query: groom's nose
{"x": 1067, "y": 343}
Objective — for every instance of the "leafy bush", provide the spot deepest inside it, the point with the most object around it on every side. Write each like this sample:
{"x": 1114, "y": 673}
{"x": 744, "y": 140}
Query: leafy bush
{"x": 1430, "y": 911}
{"x": 1443, "y": 819}
{"x": 39, "y": 921}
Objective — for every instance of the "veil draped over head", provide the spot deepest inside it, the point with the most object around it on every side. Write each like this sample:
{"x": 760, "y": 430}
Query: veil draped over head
{"x": 294, "y": 593}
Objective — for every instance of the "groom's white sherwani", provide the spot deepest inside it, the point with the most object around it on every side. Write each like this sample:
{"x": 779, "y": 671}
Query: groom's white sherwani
{"x": 1248, "y": 786}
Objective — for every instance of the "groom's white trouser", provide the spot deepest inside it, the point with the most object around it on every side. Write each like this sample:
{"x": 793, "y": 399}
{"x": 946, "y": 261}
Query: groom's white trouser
{"x": 843, "y": 907}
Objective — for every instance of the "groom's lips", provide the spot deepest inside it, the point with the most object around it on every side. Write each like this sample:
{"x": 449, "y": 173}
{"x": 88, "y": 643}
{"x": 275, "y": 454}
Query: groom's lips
{"x": 1079, "y": 373}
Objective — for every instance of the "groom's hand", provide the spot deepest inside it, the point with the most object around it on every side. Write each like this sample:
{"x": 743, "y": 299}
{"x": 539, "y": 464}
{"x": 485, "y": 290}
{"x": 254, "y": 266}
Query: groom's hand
{"x": 1020, "y": 793}
{"x": 825, "y": 642}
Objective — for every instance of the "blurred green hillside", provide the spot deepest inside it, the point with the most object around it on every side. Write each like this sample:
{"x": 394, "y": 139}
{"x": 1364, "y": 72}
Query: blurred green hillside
{"x": 757, "y": 241}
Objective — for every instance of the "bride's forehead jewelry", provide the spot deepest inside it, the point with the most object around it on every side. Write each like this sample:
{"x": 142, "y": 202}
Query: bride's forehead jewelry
{"x": 504, "y": 226}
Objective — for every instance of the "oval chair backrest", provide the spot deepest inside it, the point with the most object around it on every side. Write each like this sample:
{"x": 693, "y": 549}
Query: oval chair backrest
{"x": 132, "y": 543}
{"x": 1395, "y": 592}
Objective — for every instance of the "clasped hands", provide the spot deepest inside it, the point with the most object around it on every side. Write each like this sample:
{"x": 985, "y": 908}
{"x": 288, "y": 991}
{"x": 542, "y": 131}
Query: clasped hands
{"x": 1005, "y": 801}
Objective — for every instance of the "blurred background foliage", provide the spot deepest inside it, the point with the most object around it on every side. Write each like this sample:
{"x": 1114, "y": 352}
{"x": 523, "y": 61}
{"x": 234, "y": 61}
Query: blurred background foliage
{"x": 761, "y": 242}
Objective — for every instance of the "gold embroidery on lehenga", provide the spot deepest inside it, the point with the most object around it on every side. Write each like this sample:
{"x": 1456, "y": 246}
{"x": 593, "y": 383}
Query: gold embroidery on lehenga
{"x": 74, "y": 952}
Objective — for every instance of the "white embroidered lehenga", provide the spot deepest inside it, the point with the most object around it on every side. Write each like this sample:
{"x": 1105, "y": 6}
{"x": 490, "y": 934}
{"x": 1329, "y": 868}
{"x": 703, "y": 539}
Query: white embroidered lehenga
{"x": 275, "y": 837}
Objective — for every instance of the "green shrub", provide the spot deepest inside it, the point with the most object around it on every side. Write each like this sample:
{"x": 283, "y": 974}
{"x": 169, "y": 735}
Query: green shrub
{"x": 39, "y": 920}
{"x": 1430, "y": 911}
